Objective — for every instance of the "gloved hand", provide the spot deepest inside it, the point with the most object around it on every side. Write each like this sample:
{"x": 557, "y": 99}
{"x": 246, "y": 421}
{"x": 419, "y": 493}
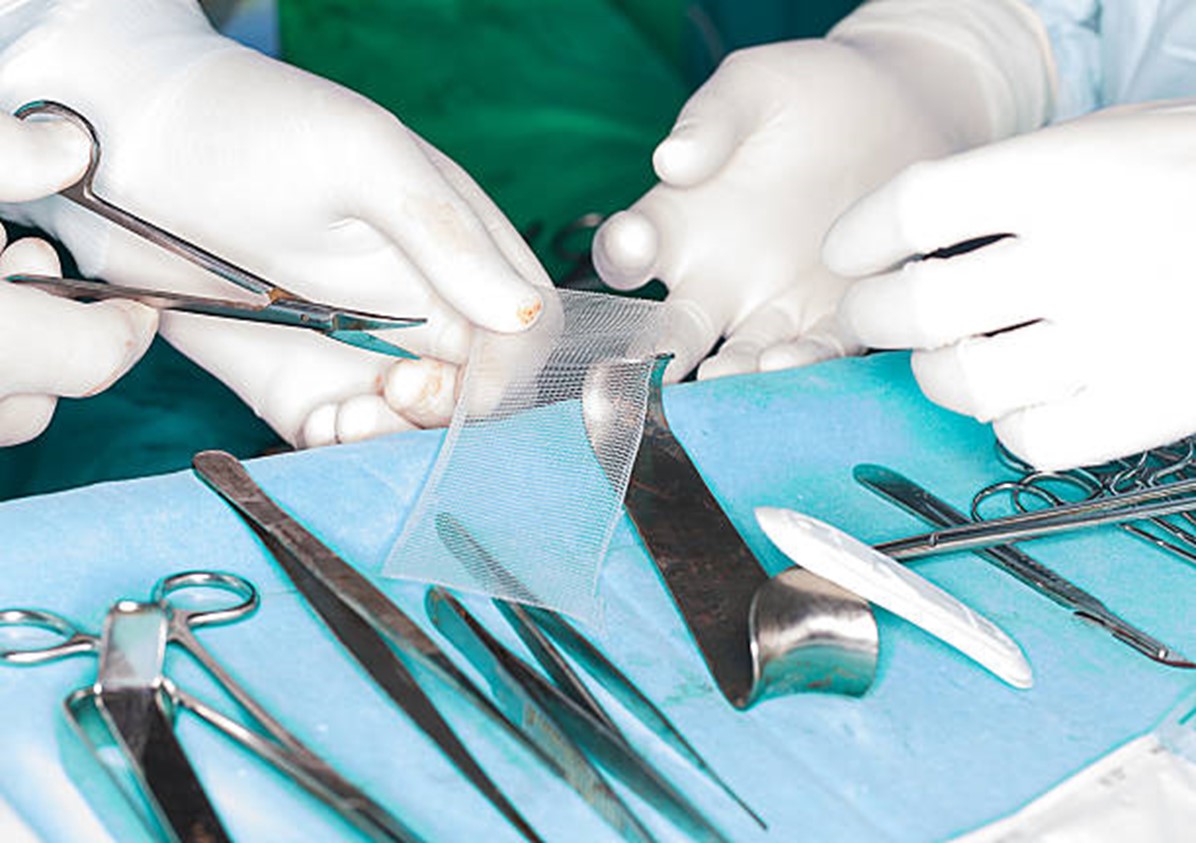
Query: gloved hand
{"x": 291, "y": 176}
{"x": 51, "y": 347}
{"x": 781, "y": 139}
{"x": 1072, "y": 335}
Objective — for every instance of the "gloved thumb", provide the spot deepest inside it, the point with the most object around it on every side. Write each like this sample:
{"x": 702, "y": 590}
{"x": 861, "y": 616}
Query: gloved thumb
{"x": 24, "y": 417}
{"x": 65, "y": 348}
{"x": 709, "y": 129}
{"x": 40, "y": 157}
{"x": 626, "y": 248}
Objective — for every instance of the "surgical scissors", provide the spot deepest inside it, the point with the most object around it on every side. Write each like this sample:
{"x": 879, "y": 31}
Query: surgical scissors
{"x": 281, "y": 306}
{"x": 136, "y": 703}
{"x": 1154, "y": 469}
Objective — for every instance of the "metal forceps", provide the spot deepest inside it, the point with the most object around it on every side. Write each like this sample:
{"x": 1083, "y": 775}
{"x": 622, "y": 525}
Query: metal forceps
{"x": 281, "y": 306}
{"x": 132, "y": 706}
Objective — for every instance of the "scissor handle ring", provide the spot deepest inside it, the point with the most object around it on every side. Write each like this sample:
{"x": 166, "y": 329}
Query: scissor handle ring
{"x": 73, "y": 641}
{"x": 65, "y": 112}
{"x": 218, "y": 580}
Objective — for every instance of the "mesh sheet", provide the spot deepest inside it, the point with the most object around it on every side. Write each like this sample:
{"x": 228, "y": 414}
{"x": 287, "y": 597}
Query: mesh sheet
{"x": 529, "y": 483}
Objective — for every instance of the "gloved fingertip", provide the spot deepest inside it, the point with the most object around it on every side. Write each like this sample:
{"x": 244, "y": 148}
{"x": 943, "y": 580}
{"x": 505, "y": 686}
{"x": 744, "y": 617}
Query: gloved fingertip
{"x": 692, "y": 153}
{"x": 689, "y": 335}
{"x": 68, "y": 144}
{"x": 625, "y": 250}
{"x": 945, "y": 380}
{"x": 863, "y": 307}
{"x": 1034, "y": 436}
{"x": 319, "y": 428}
{"x": 527, "y": 311}
{"x": 142, "y": 320}
{"x": 30, "y": 255}
{"x": 121, "y": 349}
{"x": 23, "y": 418}
{"x": 410, "y": 383}
{"x": 793, "y": 355}
{"x": 729, "y": 361}
{"x": 58, "y": 153}
{"x": 867, "y": 238}
{"x": 141, "y": 325}
{"x": 365, "y": 417}
{"x": 422, "y": 391}
{"x": 502, "y": 302}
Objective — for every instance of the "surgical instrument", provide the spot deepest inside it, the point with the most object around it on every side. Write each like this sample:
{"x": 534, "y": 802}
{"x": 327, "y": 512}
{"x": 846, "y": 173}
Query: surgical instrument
{"x": 913, "y": 498}
{"x": 362, "y": 618}
{"x": 343, "y": 326}
{"x": 135, "y": 702}
{"x": 810, "y": 635}
{"x": 280, "y": 306}
{"x": 535, "y": 625}
{"x": 516, "y": 702}
{"x": 530, "y": 697}
{"x": 1156, "y": 467}
{"x": 1172, "y": 499}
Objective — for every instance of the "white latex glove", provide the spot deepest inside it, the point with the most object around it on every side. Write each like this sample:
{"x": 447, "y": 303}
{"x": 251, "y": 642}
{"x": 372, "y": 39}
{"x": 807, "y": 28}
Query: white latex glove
{"x": 1073, "y": 335}
{"x": 782, "y": 138}
{"x": 51, "y": 347}
{"x": 294, "y": 178}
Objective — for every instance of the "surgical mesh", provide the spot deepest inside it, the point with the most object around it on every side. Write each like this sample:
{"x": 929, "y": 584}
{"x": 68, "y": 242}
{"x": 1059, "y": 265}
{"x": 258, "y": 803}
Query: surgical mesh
{"x": 522, "y": 499}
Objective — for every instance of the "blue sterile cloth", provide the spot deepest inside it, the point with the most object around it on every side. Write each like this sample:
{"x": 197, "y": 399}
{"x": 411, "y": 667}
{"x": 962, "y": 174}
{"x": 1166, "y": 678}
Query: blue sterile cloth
{"x": 936, "y": 747}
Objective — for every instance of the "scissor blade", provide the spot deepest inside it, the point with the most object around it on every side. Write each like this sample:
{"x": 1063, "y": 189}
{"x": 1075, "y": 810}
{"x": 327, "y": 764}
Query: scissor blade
{"x": 936, "y": 512}
{"x": 369, "y": 342}
{"x": 348, "y": 604}
{"x": 81, "y": 289}
{"x": 345, "y": 326}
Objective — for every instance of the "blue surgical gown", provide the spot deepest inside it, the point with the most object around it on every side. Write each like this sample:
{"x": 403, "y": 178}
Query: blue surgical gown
{"x": 1120, "y": 51}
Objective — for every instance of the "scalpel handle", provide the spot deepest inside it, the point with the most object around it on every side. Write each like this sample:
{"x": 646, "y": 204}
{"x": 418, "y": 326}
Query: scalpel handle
{"x": 918, "y": 501}
{"x": 936, "y": 512}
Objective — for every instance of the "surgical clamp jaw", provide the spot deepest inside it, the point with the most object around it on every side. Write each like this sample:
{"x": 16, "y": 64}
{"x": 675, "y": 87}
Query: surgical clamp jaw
{"x": 132, "y": 707}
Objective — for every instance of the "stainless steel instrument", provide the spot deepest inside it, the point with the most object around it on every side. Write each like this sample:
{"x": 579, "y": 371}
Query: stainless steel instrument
{"x": 131, "y": 707}
{"x": 759, "y": 636}
{"x": 567, "y": 733}
{"x": 276, "y": 305}
{"x": 539, "y": 628}
{"x": 369, "y": 625}
{"x": 913, "y": 498}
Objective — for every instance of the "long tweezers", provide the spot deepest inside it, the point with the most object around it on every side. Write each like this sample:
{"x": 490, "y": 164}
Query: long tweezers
{"x": 361, "y": 617}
